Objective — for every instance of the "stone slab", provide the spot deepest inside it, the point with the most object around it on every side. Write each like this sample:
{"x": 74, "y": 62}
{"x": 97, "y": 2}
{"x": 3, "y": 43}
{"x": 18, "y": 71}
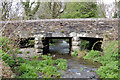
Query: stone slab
{"x": 74, "y": 43}
{"x": 75, "y": 47}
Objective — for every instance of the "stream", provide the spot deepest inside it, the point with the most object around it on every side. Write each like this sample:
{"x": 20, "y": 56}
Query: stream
{"x": 77, "y": 67}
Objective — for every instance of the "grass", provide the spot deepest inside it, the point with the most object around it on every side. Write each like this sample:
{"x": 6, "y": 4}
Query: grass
{"x": 47, "y": 67}
{"x": 109, "y": 60}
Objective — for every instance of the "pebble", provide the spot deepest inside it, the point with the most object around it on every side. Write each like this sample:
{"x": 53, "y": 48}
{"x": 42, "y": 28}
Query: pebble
{"x": 78, "y": 73}
{"x": 88, "y": 71}
{"x": 85, "y": 67}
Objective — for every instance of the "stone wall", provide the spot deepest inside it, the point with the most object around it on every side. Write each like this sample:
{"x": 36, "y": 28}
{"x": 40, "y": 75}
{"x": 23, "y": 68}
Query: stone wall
{"x": 75, "y": 28}
{"x": 90, "y": 27}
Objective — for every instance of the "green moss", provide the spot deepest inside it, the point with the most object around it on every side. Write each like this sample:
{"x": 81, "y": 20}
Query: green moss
{"x": 62, "y": 31}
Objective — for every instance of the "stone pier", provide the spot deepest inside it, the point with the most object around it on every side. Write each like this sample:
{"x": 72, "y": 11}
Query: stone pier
{"x": 42, "y": 42}
{"x": 75, "y": 42}
{"x": 39, "y": 44}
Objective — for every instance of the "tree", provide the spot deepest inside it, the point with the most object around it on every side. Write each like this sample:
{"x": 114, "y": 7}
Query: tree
{"x": 102, "y": 9}
{"x": 117, "y": 11}
{"x": 80, "y": 10}
{"x": 6, "y": 7}
{"x": 56, "y": 9}
{"x": 30, "y": 11}
{"x": 106, "y": 10}
{"x": 51, "y": 9}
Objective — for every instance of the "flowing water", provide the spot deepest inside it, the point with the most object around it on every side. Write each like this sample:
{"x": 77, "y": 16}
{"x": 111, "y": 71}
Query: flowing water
{"x": 77, "y": 67}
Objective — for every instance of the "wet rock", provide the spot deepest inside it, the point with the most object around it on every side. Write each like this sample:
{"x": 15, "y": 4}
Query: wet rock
{"x": 76, "y": 47}
{"x": 92, "y": 77}
{"x": 39, "y": 46}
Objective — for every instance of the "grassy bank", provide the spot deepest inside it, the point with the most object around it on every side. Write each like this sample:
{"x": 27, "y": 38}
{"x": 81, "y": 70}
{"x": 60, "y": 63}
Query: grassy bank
{"x": 108, "y": 58}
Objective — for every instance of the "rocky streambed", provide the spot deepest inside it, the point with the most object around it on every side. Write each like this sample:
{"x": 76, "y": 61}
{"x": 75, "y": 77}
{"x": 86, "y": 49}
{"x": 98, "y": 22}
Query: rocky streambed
{"x": 77, "y": 67}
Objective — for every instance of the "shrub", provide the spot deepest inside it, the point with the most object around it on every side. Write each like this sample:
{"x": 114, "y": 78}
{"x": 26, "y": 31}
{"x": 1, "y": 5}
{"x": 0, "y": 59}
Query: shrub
{"x": 9, "y": 50}
{"x": 30, "y": 74}
{"x": 75, "y": 53}
{"x": 109, "y": 60}
{"x": 110, "y": 70}
{"x": 51, "y": 71}
{"x": 47, "y": 67}
{"x": 35, "y": 57}
{"x": 4, "y": 42}
{"x": 24, "y": 68}
{"x": 57, "y": 61}
{"x": 51, "y": 44}
{"x": 28, "y": 52}
{"x": 62, "y": 66}
{"x": 20, "y": 52}
{"x": 6, "y": 57}
{"x": 92, "y": 54}
{"x": 31, "y": 42}
{"x": 12, "y": 62}
{"x": 19, "y": 60}
{"x": 84, "y": 44}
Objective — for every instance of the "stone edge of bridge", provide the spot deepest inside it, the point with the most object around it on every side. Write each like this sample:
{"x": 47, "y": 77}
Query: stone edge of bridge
{"x": 78, "y": 19}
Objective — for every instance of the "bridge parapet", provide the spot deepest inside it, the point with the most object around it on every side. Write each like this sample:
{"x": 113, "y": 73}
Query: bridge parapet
{"x": 75, "y": 28}
{"x": 62, "y": 27}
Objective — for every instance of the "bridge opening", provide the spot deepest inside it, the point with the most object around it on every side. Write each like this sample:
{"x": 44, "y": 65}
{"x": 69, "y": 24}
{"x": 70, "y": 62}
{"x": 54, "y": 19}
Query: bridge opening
{"x": 88, "y": 42}
{"x": 57, "y": 45}
{"x": 27, "y": 42}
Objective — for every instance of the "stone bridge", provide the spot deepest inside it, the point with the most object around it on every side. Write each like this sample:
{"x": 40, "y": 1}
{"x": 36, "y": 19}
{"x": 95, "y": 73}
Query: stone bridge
{"x": 72, "y": 29}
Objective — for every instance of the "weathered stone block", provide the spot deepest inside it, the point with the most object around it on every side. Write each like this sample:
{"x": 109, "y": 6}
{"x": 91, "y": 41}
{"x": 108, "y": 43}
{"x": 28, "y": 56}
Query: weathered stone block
{"x": 73, "y": 34}
{"x": 49, "y": 34}
{"x": 39, "y": 46}
{"x": 38, "y": 42}
{"x": 74, "y": 43}
{"x": 79, "y": 35}
{"x": 39, "y": 50}
{"x": 58, "y": 35}
{"x": 82, "y": 35}
{"x": 75, "y": 47}
{"x": 76, "y": 39}
{"x": 38, "y": 38}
